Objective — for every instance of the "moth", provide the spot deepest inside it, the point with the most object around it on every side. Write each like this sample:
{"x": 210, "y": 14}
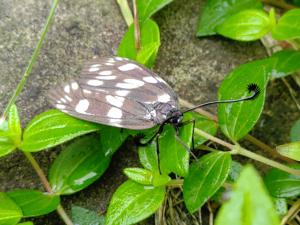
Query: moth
{"x": 122, "y": 93}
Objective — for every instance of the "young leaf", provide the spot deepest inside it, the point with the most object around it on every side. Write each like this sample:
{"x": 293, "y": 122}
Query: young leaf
{"x": 139, "y": 175}
{"x": 79, "y": 165}
{"x": 290, "y": 150}
{"x": 82, "y": 216}
{"x": 287, "y": 63}
{"x": 247, "y": 25}
{"x": 133, "y": 202}
{"x": 148, "y": 157}
{"x": 295, "y": 131}
{"x": 237, "y": 119}
{"x": 150, "y": 42}
{"x": 205, "y": 177}
{"x": 10, "y": 213}
{"x": 215, "y": 12}
{"x": 250, "y": 203}
{"x": 147, "y": 8}
{"x": 7, "y": 145}
{"x": 14, "y": 125}
{"x": 34, "y": 203}
{"x": 281, "y": 184}
{"x": 288, "y": 26}
{"x": 52, "y": 128}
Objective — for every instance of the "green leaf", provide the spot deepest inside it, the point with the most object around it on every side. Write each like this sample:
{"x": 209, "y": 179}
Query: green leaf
{"x": 26, "y": 223}
{"x": 10, "y": 213}
{"x": 14, "y": 125}
{"x": 205, "y": 124}
{"x": 34, "y": 203}
{"x": 237, "y": 119}
{"x": 290, "y": 150}
{"x": 249, "y": 204}
{"x": 6, "y": 143}
{"x": 133, "y": 202}
{"x": 205, "y": 177}
{"x": 247, "y": 25}
{"x": 147, "y": 8}
{"x": 82, "y": 216}
{"x": 215, "y": 12}
{"x": 150, "y": 42}
{"x": 79, "y": 165}
{"x": 295, "y": 131}
{"x": 281, "y": 184}
{"x": 174, "y": 157}
{"x": 287, "y": 63}
{"x": 148, "y": 157}
{"x": 288, "y": 26}
{"x": 52, "y": 128}
{"x": 160, "y": 179}
{"x": 139, "y": 175}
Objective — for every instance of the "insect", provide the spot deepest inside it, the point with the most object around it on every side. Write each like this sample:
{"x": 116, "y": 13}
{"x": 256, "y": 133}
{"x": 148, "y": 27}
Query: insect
{"x": 121, "y": 93}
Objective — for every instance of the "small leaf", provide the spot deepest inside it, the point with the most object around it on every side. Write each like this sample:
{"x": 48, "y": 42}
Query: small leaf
{"x": 160, "y": 179}
{"x": 52, "y": 128}
{"x": 287, "y": 63}
{"x": 281, "y": 184}
{"x": 237, "y": 119}
{"x": 10, "y": 213}
{"x": 205, "y": 177}
{"x": 82, "y": 216}
{"x": 139, "y": 175}
{"x": 133, "y": 202}
{"x": 295, "y": 131}
{"x": 34, "y": 203}
{"x": 215, "y": 12}
{"x": 79, "y": 165}
{"x": 150, "y": 42}
{"x": 148, "y": 157}
{"x": 288, "y": 26}
{"x": 6, "y": 143}
{"x": 290, "y": 150}
{"x": 250, "y": 203}
{"x": 147, "y": 8}
{"x": 247, "y": 25}
{"x": 14, "y": 125}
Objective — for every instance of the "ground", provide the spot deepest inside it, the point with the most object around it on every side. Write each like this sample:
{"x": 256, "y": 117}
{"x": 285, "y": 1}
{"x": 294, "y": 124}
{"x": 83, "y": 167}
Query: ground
{"x": 194, "y": 66}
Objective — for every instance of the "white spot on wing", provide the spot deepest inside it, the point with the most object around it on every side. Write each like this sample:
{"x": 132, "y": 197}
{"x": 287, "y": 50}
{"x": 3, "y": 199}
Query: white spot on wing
{"x": 95, "y": 82}
{"x": 63, "y": 100}
{"x": 150, "y": 79}
{"x": 74, "y": 85}
{"x": 126, "y": 85}
{"x": 119, "y": 58}
{"x": 106, "y": 77}
{"x": 95, "y": 65}
{"x": 127, "y": 67}
{"x": 164, "y": 98}
{"x": 115, "y": 100}
{"x": 68, "y": 98}
{"x": 122, "y": 92}
{"x": 67, "y": 88}
{"x": 114, "y": 113}
{"x": 109, "y": 64}
{"x": 82, "y": 106}
{"x": 60, "y": 106}
{"x": 85, "y": 91}
{"x": 136, "y": 82}
{"x": 94, "y": 69}
{"x": 105, "y": 72}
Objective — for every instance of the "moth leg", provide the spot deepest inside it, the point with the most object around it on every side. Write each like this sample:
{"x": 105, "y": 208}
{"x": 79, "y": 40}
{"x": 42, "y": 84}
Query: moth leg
{"x": 157, "y": 152}
{"x": 157, "y": 133}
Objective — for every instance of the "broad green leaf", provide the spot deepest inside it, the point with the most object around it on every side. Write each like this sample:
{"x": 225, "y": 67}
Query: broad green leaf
{"x": 79, "y": 165}
{"x": 290, "y": 150}
{"x": 237, "y": 119}
{"x": 139, "y": 175}
{"x": 215, "y": 12}
{"x": 247, "y": 25}
{"x": 249, "y": 204}
{"x": 147, "y": 8}
{"x": 14, "y": 125}
{"x": 150, "y": 42}
{"x": 295, "y": 131}
{"x": 207, "y": 125}
{"x": 281, "y": 184}
{"x": 133, "y": 202}
{"x": 281, "y": 206}
{"x": 288, "y": 26}
{"x": 10, "y": 213}
{"x": 6, "y": 143}
{"x": 173, "y": 155}
{"x": 205, "y": 177}
{"x": 287, "y": 63}
{"x": 148, "y": 157}
{"x": 26, "y": 223}
{"x": 82, "y": 216}
{"x": 52, "y": 128}
{"x": 34, "y": 203}
{"x": 160, "y": 179}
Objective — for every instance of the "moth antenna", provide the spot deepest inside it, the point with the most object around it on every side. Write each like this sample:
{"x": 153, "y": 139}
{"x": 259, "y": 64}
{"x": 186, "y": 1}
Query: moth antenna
{"x": 252, "y": 88}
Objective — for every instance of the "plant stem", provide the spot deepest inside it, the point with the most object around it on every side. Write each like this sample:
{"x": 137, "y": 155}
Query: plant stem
{"x": 126, "y": 12}
{"x": 280, "y": 4}
{"x": 175, "y": 183}
{"x": 293, "y": 211}
{"x": 213, "y": 138}
{"x": 60, "y": 210}
{"x": 32, "y": 60}
{"x": 137, "y": 32}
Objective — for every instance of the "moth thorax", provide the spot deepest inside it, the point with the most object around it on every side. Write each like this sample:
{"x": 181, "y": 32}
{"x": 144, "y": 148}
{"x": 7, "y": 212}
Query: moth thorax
{"x": 165, "y": 111}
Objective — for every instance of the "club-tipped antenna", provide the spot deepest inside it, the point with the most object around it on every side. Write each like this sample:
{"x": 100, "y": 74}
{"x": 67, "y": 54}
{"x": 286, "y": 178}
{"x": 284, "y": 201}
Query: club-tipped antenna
{"x": 252, "y": 88}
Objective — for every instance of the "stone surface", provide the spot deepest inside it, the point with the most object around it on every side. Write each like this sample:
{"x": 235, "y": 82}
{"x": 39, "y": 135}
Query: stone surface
{"x": 82, "y": 29}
